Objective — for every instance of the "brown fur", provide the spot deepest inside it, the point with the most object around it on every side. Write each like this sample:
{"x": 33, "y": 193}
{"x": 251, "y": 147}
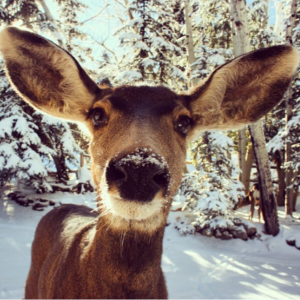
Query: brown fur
{"x": 116, "y": 253}
{"x": 232, "y": 95}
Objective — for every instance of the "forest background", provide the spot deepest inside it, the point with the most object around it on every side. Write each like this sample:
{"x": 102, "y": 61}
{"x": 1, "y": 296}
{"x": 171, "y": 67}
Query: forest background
{"x": 173, "y": 43}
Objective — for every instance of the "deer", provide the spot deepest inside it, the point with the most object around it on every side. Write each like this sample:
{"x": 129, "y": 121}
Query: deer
{"x": 138, "y": 145}
{"x": 254, "y": 199}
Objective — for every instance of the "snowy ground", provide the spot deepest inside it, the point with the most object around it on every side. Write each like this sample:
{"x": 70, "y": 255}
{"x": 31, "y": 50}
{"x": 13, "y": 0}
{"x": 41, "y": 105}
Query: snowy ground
{"x": 194, "y": 266}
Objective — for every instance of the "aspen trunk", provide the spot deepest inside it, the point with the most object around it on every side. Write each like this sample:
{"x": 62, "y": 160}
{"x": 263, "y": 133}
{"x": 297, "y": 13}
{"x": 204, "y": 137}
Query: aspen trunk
{"x": 228, "y": 155}
{"x": 266, "y": 19}
{"x": 242, "y": 156}
{"x": 281, "y": 178}
{"x": 288, "y": 158}
{"x": 279, "y": 17}
{"x": 52, "y": 20}
{"x": 248, "y": 167}
{"x": 241, "y": 44}
{"x": 267, "y": 197}
{"x": 189, "y": 41}
{"x": 190, "y": 48}
{"x": 289, "y": 200}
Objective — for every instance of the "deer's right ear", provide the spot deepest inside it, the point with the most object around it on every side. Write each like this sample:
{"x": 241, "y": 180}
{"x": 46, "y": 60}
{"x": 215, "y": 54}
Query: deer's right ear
{"x": 46, "y": 76}
{"x": 243, "y": 90}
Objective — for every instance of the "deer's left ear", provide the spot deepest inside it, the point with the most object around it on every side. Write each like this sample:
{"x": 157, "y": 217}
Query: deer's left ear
{"x": 244, "y": 89}
{"x": 46, "y": 76}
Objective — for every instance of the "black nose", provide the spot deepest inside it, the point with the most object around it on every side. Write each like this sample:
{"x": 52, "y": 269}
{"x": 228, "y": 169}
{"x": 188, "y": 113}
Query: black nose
{"x": 138, "y": 176}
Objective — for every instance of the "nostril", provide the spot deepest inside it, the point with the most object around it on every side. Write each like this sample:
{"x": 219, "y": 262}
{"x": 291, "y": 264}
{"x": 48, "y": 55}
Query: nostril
{"x": 115, "y": 173}
{"x": 161, "y": 179}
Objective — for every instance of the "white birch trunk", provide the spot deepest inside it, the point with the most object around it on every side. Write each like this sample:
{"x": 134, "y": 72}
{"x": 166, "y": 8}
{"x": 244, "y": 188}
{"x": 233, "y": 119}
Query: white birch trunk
{"x": 279, "y": 18}
{"x": 266, "y": 19}
{"x": 189, "y": 41}
{"x": 52, "y": 20}
{"x": 289, "y": 205}
{"x": 240, "y": 46}
{"x": 267, "y": 196}
{"x": 268, "y": 201}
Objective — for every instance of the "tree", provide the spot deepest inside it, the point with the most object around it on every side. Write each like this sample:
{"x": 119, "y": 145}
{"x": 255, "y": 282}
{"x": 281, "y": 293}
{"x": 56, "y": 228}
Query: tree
{"x": 151, "y": 50}
{"x": 211, "y": 191}
{"x": 268, "y": 201}
{"x": 288, "y": 98}
{"x": 42, "y": 142}
{"x": 22, "y": 153}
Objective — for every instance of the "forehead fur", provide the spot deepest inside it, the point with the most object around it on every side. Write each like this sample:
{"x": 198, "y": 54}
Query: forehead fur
{"x": 144, "y": 100}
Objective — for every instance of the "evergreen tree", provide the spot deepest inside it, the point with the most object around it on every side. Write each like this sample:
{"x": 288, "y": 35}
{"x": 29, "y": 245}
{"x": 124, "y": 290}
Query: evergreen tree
{"x": 41, "y": 142}
{"x": 22, "y": 153}
{"x": 151, "y": 49}
{"x": 211, "y": 189}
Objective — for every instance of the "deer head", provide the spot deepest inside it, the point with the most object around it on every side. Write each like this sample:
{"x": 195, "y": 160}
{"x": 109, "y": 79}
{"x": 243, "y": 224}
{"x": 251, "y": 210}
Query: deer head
{"x": 139, "y": 133}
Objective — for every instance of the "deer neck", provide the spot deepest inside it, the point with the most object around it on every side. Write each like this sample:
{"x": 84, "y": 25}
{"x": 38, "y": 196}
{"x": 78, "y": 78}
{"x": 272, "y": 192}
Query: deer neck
{"x": 128, "y": 264}
{"x": 126, "y": 246}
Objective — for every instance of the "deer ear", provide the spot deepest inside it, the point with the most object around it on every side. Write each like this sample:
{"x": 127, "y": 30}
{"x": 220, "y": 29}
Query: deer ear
{"x": 46, "y": 76}
{"x": 244, "y": 89}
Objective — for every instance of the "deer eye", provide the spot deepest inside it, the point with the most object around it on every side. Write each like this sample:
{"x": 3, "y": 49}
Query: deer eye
{"x": 183, "y": 124}
{"x": 99, "y": 117}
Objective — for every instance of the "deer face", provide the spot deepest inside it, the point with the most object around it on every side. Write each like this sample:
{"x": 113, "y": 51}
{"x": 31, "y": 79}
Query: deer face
{"x": 139, "y": 134}
{"x": 138, "y": 168}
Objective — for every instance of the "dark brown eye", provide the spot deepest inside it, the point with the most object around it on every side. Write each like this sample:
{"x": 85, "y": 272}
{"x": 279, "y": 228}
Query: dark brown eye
{"x": 99, "y": 117}
{"x": 183, "y": 124}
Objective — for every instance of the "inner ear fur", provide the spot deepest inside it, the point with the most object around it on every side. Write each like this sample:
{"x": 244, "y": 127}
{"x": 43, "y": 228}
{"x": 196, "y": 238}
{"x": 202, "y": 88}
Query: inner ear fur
{"x": 46, "y": 76}
{"x": 244, "y": 89}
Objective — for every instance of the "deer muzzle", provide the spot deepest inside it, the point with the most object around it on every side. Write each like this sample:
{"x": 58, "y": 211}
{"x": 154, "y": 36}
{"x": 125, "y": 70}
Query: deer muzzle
{"x": 138, "y": 176}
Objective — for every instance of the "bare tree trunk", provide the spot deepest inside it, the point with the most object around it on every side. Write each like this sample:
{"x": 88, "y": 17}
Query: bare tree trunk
{"x": 241, "y": 41}
{"x": 266, "y": 19}
{"x": 241, "y": 44}
{"x": 242, "y": 155}
{"x": 129, "y": 12}
{"x": 295, "y": 196}
{"x": 288, "y": 158}
{"x": 228, "y": 155}
{"x": 248, "y": 167}
{"x": 59, "y": 160}
{"x": 52, "y": 20}
{"x": 189, "y": 41}
{"x": 289, "y": 205}
{"x": 279, "y": 17}
{"x": 190, "y": 47}
{"x": 281, "y": 178}
{"x": 268, "y": 200}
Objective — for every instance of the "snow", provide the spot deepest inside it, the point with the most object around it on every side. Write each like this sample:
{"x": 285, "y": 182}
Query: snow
{"x": 84, "y": 174}
{"x": 158, "y": 42}
{"x": 216, "y": 59}
{"x": 132, "y": 75}
{"x": 148, "y": 62}
{"x": 195, "y": 266}
{"x": 139, "y": 159}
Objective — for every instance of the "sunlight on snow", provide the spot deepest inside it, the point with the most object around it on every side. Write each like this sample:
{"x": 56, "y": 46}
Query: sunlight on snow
{"x": 168, "y": 265}
{"x": 12, "y": 242}
{"x": 9, "y": 209}
{"x": 276, "y": 279}
{"x": 283, "y": 274}
{"x": 268, "y": 267}
{"x": 198, "y": 259}
{"x": 235, "y": 270}
{"x": 263, "y": 290}
{"x": 248, "y": 268}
